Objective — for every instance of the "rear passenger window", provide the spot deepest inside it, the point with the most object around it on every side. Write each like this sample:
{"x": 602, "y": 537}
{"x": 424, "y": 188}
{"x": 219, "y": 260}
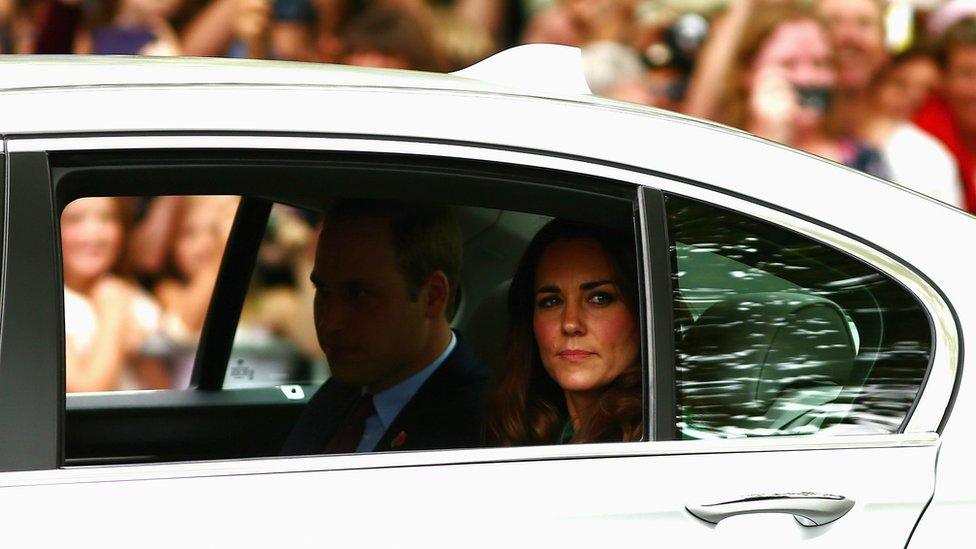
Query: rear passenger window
{"x": 776, "y": 334}
{"x": 327, "y": 307}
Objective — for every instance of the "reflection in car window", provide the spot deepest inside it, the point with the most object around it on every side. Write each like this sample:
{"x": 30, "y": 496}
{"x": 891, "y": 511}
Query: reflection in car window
{"x": 138, "y": 275}
{"x": 275, "y": 342}
{"x": 779, "y": 335}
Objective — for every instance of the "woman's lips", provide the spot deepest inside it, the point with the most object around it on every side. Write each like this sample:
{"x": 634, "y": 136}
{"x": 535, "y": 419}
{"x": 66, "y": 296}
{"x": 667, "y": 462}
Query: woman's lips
{"x": 575, "y": 355}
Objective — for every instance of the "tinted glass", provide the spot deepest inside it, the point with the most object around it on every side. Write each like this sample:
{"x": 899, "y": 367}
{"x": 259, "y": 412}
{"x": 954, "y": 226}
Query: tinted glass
{"x": 779, "y": 335}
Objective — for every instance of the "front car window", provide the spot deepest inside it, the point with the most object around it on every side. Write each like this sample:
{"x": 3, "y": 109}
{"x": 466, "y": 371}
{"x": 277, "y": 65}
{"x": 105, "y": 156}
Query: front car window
{"x": 779, "y": 335}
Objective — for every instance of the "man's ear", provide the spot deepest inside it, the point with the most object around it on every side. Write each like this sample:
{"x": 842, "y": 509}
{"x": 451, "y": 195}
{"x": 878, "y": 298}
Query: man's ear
{"x": 437, "y": 293}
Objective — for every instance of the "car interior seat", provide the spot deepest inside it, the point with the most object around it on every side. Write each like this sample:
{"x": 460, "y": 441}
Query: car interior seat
{"x": 760, "y": 364}
{"x": 487, "y": 324}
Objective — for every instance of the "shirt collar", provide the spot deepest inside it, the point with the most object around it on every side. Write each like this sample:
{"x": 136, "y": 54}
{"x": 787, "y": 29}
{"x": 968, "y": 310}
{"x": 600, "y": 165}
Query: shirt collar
{"x": 391, "y": 401}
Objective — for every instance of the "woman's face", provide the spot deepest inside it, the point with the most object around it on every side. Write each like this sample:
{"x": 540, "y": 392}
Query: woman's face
{"x": 91, "y": 238}
{"x": 799, "y": 53}
{"x": 198, "y": 239}
{"x": 906, "y": 86}
{"x": 586, "y": 333}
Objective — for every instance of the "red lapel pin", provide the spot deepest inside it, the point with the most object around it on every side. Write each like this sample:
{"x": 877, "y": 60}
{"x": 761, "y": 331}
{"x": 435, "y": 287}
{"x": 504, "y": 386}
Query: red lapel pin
{"x": 399, "y": 440}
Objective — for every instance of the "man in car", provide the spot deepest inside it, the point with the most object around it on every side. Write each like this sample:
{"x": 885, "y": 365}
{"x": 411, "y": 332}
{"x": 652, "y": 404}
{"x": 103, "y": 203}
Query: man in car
{"x": 385, "y": 279}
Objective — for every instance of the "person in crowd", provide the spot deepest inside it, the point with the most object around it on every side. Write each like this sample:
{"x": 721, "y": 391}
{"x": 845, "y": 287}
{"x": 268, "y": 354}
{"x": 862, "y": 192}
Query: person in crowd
{"x": 571, "y": 372}
{"x": 580, "y": 22}
{"x": 200, "y": 234}
{"x": 782, "y": 82}
{"x": 913, "y": 158}
{"x": 385, "y": 276}
{"x": 16, "y": 26}
{"x": 391, "y": 38}
{"x": 616, "y": 71}
{"x": 905, "y": 83}
{"x": 132, "y": 27}
{"x": 856, "y": 31}
{"x": 910, "y": 156}
{"x": 951, "y": 116}
{"x": 856, "y": 28}
{"x": 108, "y": 320}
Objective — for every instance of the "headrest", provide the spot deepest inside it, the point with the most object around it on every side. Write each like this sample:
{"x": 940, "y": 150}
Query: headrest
{"x": 743, "y": 352}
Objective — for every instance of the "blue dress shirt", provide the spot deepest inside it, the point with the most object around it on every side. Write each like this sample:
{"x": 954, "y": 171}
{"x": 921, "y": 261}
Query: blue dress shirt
{"x": 389, "y": 402}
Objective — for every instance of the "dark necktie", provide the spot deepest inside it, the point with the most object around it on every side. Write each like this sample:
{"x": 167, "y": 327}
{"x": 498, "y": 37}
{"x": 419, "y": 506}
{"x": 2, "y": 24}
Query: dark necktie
{"x": 350, "y": 432}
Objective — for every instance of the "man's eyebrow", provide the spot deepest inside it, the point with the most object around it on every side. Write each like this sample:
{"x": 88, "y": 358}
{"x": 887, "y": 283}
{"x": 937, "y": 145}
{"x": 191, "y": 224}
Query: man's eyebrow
{"x": 595, "y": 284}
{"x": 550, "y": 289}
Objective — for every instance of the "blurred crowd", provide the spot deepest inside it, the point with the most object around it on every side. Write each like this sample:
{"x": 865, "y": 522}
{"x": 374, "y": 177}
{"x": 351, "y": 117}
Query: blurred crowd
{"x": 883, "y": 86}
{"x": 139, "y": 275}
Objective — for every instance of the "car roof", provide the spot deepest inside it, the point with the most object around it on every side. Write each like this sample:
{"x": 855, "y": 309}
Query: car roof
{"x": 30, "y": 72}
{"x": 535, "y": 72}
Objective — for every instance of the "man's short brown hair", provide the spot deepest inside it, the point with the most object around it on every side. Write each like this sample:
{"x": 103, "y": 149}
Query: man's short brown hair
{"x": 426, "y": 238}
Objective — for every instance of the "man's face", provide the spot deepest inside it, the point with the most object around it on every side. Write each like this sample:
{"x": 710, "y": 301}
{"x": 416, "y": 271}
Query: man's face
{"x": 370, "y": 329}
{"x": 856, "y": 29}
{"x": 960, "y": 86}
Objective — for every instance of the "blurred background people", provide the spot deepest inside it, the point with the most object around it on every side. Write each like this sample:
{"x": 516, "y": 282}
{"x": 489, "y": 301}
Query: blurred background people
{"x": 201, "y": 229}
{"x": 951, "y": 115}
{"x": 911, "y": 156}
{"x": 16, "y": 26}
{"x": 780, "y": 84}
{"x": 109, "y": 320}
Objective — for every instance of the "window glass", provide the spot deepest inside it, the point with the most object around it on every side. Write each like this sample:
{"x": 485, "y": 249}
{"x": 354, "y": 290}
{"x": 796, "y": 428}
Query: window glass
{"x": 342, "y": 287}
{"x": 275, "y": 341}
{"x": 779, "y": 335}
{"x": 138, "y": 276}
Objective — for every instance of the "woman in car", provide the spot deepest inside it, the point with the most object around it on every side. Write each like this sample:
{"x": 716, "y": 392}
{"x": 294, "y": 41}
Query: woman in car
{"x": 571, "y": 369}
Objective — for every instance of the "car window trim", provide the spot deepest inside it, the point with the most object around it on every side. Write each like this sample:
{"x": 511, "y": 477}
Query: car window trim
{"x": 660, "y": 304}
{"x": 31, "y": 375}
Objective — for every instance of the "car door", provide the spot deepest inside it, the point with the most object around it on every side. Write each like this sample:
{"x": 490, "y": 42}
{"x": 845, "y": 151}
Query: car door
{"x": 658, "y": 490}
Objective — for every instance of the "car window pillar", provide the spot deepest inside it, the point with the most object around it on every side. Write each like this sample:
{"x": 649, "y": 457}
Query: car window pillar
{"x": 32, "y": 334}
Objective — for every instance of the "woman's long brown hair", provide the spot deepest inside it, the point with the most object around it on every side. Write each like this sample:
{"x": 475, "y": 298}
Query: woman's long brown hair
{"x": 525, "y": 405}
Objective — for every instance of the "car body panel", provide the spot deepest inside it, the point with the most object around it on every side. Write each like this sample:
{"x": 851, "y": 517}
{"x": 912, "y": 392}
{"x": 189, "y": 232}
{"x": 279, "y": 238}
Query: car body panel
{"x": 570, "y": 502}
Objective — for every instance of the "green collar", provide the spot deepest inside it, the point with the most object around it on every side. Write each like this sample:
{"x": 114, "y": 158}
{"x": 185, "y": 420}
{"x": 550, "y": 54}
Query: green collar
{"x": 567, "y": 433}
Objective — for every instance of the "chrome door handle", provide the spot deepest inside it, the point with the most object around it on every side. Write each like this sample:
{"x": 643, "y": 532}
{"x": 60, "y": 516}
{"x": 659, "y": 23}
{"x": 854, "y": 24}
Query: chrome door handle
{"x": 807, "y": 508}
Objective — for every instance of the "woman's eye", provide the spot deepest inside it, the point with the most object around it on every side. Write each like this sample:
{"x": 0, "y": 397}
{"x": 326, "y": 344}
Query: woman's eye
{"x": 601, "y": 298}
{"x": 548, "y": 302}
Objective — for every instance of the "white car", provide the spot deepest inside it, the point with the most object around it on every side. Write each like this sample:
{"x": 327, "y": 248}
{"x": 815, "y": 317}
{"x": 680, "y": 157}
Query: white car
{"x": 803, "y": 351}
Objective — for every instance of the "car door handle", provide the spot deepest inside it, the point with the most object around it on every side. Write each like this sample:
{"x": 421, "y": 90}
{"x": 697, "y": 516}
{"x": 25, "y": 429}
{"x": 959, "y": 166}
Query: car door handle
{"x": 809, "y": 509}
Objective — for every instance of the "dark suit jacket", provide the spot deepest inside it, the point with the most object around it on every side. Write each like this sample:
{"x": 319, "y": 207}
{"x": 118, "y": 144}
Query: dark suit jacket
{"x": 446, "y": 411}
